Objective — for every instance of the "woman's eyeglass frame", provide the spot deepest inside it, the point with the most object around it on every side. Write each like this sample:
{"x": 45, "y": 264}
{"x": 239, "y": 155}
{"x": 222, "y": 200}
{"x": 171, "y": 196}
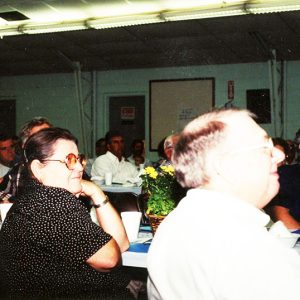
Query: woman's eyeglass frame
{"x": 71, "y": 160}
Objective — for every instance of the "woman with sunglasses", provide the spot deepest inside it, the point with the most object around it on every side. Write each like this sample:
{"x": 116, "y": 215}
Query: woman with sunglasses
{"x": 49, "y": 247}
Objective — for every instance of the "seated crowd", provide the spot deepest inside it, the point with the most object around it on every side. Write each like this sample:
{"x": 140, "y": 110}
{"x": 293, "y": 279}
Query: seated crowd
{"x": 226, "y": 168}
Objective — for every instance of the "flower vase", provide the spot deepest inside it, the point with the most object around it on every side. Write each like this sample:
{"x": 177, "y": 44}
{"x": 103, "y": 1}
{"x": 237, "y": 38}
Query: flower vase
{"x": 155, "y": 221}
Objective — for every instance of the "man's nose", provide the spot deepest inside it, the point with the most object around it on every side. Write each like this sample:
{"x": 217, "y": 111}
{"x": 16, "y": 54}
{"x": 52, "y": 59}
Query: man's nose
{"x": 277, "y": 155}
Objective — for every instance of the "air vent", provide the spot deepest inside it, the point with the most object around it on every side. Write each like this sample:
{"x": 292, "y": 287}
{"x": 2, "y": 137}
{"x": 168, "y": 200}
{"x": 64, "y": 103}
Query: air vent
{"x": 13, "y": 16}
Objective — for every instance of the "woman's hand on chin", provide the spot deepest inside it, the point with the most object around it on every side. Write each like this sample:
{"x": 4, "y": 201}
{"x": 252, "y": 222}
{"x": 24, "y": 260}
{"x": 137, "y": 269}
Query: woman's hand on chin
{"x": 90, "y": 189}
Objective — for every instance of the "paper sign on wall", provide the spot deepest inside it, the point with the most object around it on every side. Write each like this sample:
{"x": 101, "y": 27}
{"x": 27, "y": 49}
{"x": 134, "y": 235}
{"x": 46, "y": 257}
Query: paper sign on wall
{"x": 185, "y": 115}
{"x": 128, "y": 113}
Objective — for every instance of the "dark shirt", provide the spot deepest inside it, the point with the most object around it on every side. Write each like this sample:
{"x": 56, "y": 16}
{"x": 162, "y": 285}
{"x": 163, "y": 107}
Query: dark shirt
{"x": 44, "y": 242}
{"x": 10, "y": 186}
{"x": 289, "y": 192}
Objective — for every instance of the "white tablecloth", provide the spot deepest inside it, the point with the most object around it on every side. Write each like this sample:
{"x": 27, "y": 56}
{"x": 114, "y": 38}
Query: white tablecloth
{"x": 136, "y": 256}
{"x": 119, "y": 188}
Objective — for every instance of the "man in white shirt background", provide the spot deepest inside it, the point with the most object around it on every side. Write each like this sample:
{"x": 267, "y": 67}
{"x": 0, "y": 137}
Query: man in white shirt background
{"x": 114, "y": 162}
{"x": 215, "y": 245}
{"x": 7, "y": 154}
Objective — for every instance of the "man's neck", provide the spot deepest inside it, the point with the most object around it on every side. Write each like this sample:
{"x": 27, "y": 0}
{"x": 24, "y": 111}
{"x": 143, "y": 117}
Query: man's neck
{"x": 119, "y": 158}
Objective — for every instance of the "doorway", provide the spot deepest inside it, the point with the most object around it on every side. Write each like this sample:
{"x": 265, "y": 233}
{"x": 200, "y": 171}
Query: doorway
{"x": 8, "y": 117}
{"x": 127, "y": 115}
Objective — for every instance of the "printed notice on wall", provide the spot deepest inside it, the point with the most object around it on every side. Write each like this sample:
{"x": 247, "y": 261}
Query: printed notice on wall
{"x": 185, "y": 115}
{"x": 127, "y": 113}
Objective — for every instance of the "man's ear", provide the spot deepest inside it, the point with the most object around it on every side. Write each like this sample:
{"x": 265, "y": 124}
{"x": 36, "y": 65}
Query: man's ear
{"x": 224, "y": 168}
{"x": 36, "y": 169}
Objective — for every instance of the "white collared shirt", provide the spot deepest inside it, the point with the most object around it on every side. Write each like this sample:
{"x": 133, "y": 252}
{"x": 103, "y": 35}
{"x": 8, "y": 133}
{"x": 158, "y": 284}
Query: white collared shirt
{"x": 214, "y": 246}
{"x": 122, "y": 170}
{"x": 3, "y": 170}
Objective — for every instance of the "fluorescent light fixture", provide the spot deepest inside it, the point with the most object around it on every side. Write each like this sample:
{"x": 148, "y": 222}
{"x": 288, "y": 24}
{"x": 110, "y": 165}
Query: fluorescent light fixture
{"x": 231, "y": 9}
{"x": 202, "y": 14}
{"x": 9, "y": 31}
{"x": 267, "y": 7}
{"x": 51, "y": 27}
{"x": 124, "y": 21}
{"x": 148, "y": 11}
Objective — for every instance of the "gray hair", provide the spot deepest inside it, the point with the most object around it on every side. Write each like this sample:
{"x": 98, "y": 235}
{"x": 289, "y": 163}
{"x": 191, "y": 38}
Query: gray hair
{"x": 197, "y": 144}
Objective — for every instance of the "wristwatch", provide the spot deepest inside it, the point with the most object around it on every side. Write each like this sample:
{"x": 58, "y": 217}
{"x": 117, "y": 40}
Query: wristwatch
{"x": 103, "y": 203}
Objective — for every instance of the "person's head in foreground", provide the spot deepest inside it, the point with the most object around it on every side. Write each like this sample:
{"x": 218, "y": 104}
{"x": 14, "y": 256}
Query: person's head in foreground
{"x": 227, "y": 151}
{"x": 214, "y": 244}
{"x": 49, "y": 245}
{"x": 52, "y": 158}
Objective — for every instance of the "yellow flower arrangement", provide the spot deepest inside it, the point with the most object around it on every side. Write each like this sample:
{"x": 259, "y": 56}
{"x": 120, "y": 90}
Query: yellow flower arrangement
{"x": 158, "y": 184}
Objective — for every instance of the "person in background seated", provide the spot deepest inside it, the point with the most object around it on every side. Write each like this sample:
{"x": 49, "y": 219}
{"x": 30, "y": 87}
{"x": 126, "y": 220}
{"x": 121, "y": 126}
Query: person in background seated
{"x": 283, "y": 146}
{"x": 49, "y": 246}
{"x": 7, "y": 154}
{"x": 11, "y": 182}
{"x": 138, "y": 150}
{"x": 101, "y": 147}
{"x": 169, "y": 145}
{"x": 297, "y": 143}
{"x": 161, "y": 153}
{"x": 139, "y": 161}
{"x": 33, "y": 126}
{"x": 291, "y": 155}
{"x": 214, "y": 244}
{"x": 114, "y": 162}
{"x": 286, "y": 204}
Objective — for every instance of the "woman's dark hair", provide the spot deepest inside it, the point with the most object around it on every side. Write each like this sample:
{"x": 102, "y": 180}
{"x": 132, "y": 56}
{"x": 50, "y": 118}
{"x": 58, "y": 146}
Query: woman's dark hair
{"x": 40, "y": 145}
{"x": 160, "y": 148}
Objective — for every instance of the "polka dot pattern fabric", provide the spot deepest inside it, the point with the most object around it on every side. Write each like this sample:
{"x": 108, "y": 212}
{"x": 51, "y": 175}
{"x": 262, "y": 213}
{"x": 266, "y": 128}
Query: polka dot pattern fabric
{"x": 44, "y": 243}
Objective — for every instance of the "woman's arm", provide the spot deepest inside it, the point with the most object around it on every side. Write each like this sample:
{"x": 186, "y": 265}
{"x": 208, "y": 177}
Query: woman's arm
{"x": 106, "y": 258}
{"x": 282, "y": 213}
{"x": 107, "y": 216}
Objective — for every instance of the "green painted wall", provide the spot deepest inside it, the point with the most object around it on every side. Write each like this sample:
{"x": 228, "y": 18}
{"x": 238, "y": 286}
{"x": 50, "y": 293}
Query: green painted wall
{"x": 54, "y": 95}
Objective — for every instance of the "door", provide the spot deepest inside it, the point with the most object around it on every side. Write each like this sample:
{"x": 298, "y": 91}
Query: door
{"x": 127, "y": 115}
{"x": 8, "y": 117}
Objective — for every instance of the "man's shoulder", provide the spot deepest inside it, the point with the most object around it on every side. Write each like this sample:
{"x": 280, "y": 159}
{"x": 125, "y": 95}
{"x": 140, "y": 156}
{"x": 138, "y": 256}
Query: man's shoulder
{"x": 101, "y": 158}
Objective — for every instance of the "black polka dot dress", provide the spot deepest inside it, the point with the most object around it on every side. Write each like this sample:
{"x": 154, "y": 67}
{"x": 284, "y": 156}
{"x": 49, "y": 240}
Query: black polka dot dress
{"x": 44, "y": 242}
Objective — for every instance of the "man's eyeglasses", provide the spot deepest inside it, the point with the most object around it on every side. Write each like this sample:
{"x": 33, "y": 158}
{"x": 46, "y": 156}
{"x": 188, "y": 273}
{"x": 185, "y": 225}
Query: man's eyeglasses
{"x": 268, "y": 145}
{"x": 71, "y": 160}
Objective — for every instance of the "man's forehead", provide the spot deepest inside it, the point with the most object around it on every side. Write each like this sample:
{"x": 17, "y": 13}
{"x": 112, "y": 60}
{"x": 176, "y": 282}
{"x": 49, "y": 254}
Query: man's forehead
{"x": 244, "y": 128}
{"x": 117, "y": 138}
{"x": 6, "y": 142}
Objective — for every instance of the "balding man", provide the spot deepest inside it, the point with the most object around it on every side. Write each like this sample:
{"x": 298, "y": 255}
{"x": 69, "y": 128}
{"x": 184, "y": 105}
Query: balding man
{"x": 214, "y": 245}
